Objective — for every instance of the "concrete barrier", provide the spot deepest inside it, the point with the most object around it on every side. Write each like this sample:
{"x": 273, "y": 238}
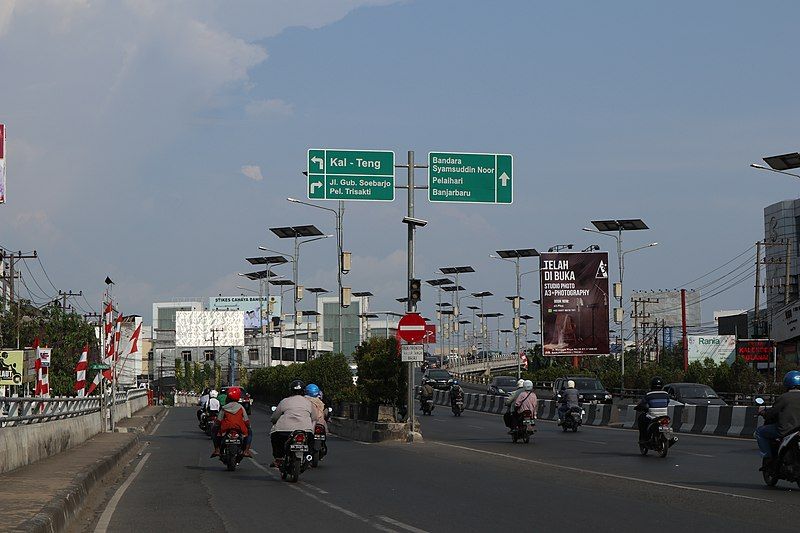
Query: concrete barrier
{"x": 596, "y": 414}
{"x": 28, "y": 443}
{"x": 727, "y": 421}
{"x": 183, "y": 399}
{"x": 365, "y": 431}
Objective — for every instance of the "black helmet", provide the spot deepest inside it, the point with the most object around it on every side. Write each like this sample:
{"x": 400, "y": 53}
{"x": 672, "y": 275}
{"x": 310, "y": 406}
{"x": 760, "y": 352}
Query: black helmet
{"x": 656, "y": 383}
{"x": 297, "y": 387}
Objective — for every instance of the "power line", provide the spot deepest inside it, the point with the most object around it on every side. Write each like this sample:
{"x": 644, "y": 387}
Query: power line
{"x": 719, "y": 267}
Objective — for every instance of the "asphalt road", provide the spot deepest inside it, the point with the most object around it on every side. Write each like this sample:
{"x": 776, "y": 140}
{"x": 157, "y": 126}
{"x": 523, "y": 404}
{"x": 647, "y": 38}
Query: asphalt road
{"x": 466, "y": 476}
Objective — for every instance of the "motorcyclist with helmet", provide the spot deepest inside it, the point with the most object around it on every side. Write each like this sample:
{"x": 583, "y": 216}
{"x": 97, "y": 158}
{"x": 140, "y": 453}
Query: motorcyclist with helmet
{"x": 202, "y": 402}
{"x": 780, "y": 419}
{"x": 233, "y": 416}
{"x": 425, "y": 393}
{"x": 653, "y": 405}
{"x": 569, "y": 398}
{"x": 314, "y": 395}
{"x": 456, "y": 393}
{"x": 213, "y": 404}
{"x": 293, "y": 413}
{"x": 508, "y": 416}
{"x": 526, "y": 401}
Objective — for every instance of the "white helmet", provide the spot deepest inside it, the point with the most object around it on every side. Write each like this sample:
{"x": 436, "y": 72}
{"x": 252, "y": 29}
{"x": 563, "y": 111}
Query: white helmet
{"x": 528, "y": 385}
{"x": 520, "y": 383}
{"x": 213, "y": 393}
{"x": 570, "y": 384}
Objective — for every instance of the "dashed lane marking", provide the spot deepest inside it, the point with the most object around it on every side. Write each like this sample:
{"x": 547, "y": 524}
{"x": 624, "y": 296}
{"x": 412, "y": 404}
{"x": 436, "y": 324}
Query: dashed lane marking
{"x": 401, "y": 525}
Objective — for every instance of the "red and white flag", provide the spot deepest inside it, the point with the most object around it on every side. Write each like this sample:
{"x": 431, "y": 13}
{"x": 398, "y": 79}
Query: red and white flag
{"x": 523, "y": 360}
{"x": 43, "y": 371}
{"x": 80, "y": 372}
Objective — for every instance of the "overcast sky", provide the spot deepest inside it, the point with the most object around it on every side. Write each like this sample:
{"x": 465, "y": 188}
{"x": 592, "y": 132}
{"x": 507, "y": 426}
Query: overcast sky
{"x": 155, "y": 142}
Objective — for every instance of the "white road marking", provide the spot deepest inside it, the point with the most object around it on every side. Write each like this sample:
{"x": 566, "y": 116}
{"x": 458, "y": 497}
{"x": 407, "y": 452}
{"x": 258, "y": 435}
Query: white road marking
{"x": 105, "y": 518}
{"x": 476, "y": 427}
{"x": 695, "y": 454}
{"x": 159, "y": 423}
{"x": 401, "y": 525}
{"x": 602, "y": 474}
{"x": 593, "y": 441}
{"x": 326, "y": 503}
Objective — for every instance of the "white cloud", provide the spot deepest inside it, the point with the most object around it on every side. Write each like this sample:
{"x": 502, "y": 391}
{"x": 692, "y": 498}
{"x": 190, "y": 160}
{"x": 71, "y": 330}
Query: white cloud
{"x": 253, "y": 172}
{"x": 271, "y": 107}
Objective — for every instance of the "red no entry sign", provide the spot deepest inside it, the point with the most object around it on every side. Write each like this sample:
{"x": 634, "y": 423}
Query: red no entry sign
{"x": 411, "y": 328}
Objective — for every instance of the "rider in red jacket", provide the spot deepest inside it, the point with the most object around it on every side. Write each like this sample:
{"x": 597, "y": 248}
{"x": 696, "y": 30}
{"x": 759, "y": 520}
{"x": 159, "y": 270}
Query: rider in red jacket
{"x": 233, "y": 416}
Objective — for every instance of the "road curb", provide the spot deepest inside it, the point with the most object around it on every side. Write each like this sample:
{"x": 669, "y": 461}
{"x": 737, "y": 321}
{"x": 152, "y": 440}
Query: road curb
{"x": 67, "y": 502}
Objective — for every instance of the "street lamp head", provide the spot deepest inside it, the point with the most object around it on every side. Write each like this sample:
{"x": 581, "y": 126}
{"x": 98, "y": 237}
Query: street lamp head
{"x": 760, "y": 167}
{"x": 415, "y": 221}
{"x": 295, "y": 200}
{"x": 653, "y": 244}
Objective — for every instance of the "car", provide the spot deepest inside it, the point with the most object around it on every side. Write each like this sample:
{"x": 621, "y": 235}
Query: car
{"x": 502, "y": 386}
{"x": 438, "y": 378}
{"x": 692, "y": 394}
{"x": 590, "y": 389}
{"x": 246, "y": 401}
{"x": 432, "y": 360}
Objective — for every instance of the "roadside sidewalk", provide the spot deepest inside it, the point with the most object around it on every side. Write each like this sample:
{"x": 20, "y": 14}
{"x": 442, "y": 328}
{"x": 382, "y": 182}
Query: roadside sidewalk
{"x": 46, "y": 495}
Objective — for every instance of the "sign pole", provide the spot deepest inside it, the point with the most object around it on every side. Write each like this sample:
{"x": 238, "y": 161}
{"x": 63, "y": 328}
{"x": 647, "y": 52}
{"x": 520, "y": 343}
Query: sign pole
{"x": 411, "y": 307}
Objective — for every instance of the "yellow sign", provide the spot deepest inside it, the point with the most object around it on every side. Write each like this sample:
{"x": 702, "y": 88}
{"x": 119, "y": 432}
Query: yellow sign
{"x": 11, "y": 367}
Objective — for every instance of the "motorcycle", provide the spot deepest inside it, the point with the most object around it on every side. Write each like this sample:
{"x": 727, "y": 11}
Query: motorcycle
{"x": 203, "y": 417}
{"x": 524, "y": 428}
{"x": 427, "y": 406}
{"x": 786, "y": 464}
{"x": 659, "y": 437}
{"x": 296, "y": 456}
{"x": 211, "y": 422}
{"x": 458, "y": 406}
{"x": 573, "y": 419}
{"x": 319, "y": 445}
{"x": 231, "y": 449}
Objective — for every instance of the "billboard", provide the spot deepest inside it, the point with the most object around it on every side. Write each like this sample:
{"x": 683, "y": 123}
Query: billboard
{"x": 574, "y": 303}
{"x": 755, "y": 350}
{"x": 250, "y": 306}
{"x": 718, "y": 348}
{"x": 11, "y": 367}
{"x": 663, "y": 307}
{"x": 208, "y": 328}
{"x": 2, "y": 163}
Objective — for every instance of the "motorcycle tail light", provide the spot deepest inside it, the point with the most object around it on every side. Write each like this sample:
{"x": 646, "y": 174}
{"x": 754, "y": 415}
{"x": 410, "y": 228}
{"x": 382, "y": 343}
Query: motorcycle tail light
{"x": 234, "y": 434}
{"x": 300, "y": 438}
{"x": 319, "y": 429}
{"x": 664, "y": 421}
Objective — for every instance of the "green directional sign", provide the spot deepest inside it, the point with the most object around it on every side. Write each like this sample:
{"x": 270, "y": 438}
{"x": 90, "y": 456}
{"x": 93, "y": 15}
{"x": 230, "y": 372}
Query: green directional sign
{"x": 350, "y": 175}
{"x": 471, "y": 178}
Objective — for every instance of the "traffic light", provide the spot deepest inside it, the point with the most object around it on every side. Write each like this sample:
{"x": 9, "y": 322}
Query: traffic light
{"x": 414, "y": 291}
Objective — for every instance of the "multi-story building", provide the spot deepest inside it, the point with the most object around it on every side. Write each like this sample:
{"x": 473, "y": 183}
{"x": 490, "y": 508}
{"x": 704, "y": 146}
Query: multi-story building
{"x": 353, "y": 327}
{"x": 781, "y": 238}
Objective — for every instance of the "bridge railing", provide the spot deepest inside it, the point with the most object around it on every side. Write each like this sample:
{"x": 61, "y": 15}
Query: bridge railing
{"x": 23, "y": 411}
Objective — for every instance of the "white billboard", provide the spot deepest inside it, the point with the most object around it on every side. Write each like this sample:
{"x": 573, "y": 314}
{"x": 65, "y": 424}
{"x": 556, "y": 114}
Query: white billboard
{"x": 664, "y": 308}
{"x": 719, "y": 348}
{"x": 209, "y": 328}
{"x": 250, "y": 306}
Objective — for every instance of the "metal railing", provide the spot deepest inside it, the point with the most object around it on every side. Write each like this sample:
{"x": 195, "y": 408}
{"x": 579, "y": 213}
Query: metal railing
{"x": 21, "y": 411}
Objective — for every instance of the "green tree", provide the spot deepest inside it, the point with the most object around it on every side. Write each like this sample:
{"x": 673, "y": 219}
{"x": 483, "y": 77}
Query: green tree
{"x": 179, "y": 383}
{"x": 188, "y": 376}
{"x": 66, "y": 333}
{"x": 381, "y": 374}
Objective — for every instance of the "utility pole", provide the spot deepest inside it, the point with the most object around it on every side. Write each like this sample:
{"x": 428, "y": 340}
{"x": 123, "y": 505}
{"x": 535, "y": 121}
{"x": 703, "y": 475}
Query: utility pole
{"x": 640, "y": 317}
{"x": 13, "y": 258}
{"x": 65, "y": 295}
{"x": 758, "y": 287}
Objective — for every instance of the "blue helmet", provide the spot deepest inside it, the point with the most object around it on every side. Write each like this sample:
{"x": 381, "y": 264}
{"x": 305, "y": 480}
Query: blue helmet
{"x": 455, "y": 382}
{"x": 312, "y": 390}
{"x": 792, "y": 380}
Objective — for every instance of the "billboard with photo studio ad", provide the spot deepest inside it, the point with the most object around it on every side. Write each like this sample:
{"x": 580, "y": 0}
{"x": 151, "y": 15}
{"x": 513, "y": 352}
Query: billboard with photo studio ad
{"x": 574, "y": 303}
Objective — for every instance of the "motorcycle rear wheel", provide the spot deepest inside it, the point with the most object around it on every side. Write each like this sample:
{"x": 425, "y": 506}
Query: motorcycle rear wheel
{"x": 771, "y": 479}
{"x": 564, "y": 427}
{"x": 230, "y": 463}
{"x": 643, "y": 450}
{"x": 662, "y": 452}
{"x": 574, "y": 429}
{"x": 526, "y": 439}
{"x": 294, "y": 471}
{"x": 315, "y": 459}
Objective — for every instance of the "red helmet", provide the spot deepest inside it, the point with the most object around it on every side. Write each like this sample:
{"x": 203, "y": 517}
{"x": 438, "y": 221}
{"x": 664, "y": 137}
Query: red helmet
{"x": 235, "y": 394}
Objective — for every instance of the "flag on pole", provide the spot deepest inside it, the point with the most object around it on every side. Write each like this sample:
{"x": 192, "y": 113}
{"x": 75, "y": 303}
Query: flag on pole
{"x": 524, "y": 360}
{"x": 42, "y": 365}
{"x": 80, "y": 372}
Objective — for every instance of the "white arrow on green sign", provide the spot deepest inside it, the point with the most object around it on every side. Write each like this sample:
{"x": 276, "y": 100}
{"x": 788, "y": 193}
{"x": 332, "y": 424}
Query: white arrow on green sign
{"x": 471, "y": 178}
{"x": 350, "y": 175}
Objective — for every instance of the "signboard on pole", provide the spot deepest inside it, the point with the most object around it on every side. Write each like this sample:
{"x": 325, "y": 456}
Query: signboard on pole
{"x": 574, "y": 303}
{"x": 411, "y": 328}
{"x": 250, "y": 306}
{"x": 11, "y": 367}
{"x": 44, "y": 356}
{"x": 755, "y": 350}
{"x": 470, "y": 178}
{"x": 350, "y": 175}
{"x": 411, "y": 353}
{"x": 2, "y": 163}
{"x": 718, "y": 348}
{"x": 430, "y": 334}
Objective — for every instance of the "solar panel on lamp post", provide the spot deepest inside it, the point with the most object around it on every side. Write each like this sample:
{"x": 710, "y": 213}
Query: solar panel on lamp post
{"x": 438, "y": 283}
{"x": 605, "y": 227}
{"x": 296, "y": 233}
{"x": 513, "y": 256}
{"x": 456, "y": 271}
{"x": 287, "y": 285}
{"x": 267, "y": 261}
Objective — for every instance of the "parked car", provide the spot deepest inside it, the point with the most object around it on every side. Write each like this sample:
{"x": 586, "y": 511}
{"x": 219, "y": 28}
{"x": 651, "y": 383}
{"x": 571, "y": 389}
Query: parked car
{"x": 692, "y": 394}
{"x": 438, "y": 378}
{"x": 502, "y": 386}
{"x": 590, "y": 389}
